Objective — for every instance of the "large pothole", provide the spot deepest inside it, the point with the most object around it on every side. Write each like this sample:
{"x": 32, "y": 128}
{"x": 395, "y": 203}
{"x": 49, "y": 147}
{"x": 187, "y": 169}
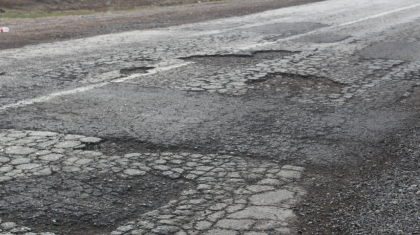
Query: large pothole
{"x": 71, "y": 202}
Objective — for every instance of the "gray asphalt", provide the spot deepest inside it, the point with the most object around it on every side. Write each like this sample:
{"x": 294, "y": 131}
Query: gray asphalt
{"x": 321, "y": 84}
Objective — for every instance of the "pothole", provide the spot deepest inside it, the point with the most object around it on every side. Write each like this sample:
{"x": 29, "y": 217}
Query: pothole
{"x": 297, "y": 83}
{"x": 135, "y": 70}
{"x": 73, "y": 202}
{"x": 233, "y": 60}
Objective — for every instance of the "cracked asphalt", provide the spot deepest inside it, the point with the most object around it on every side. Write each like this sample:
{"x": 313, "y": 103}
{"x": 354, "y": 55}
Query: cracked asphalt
{"x": 269, "y": 123}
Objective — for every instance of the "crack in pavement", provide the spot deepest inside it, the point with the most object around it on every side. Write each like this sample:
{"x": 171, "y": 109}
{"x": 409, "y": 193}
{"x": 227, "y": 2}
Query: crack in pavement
{"x": 156, "y": 70}
{"x": 231, "y": 194}
{"x": 284, "y": 106}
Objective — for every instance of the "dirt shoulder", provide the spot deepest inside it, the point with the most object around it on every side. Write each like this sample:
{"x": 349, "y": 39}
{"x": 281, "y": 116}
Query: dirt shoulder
{"x": 29, "y": 31}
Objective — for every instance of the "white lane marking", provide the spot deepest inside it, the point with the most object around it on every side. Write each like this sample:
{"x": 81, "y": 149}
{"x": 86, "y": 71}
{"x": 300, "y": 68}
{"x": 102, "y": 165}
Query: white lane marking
{"x": 156, "y": 70}
{"x": 51, "y": 96}
{"x": 331, "y": 27}
{"x": 87, "y": 88}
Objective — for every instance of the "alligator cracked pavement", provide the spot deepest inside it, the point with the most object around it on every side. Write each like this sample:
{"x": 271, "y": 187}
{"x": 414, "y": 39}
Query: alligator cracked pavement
{"x": 228, "y": 126}
{"x": 228, "y": 194}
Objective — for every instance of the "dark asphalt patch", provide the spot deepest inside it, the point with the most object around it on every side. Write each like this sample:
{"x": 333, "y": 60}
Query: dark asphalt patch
{"x": 74, "y": 202}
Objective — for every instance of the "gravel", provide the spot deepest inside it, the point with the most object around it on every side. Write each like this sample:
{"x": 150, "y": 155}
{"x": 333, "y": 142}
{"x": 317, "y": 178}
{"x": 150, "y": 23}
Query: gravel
{"x": 379, "y": 195}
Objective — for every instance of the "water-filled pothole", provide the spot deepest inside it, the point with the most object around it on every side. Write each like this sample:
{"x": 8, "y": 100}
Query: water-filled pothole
{"x": 297, "y": 83}
{"x": 68, "y": 203}
{"x": 232, "y": 60}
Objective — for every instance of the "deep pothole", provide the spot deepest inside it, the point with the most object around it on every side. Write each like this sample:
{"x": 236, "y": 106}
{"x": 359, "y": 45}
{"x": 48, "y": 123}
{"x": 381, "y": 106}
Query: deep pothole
{"x": 233, "y": 60}
{"x": 297, "y": 83}
{"x": 68, "y": 203}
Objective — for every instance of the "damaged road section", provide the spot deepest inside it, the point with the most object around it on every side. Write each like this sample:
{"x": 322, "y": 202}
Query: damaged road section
{"x": 73, "y": 189}
{"x": 216, "y": 73}
{"x": 299, "y": 88}
{"x": 74, "y": 202}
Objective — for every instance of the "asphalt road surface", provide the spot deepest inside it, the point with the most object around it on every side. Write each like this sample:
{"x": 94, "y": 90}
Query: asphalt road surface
{"x": 301, "y": 120}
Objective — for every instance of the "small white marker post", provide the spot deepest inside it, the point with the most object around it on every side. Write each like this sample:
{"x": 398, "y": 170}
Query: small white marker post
{"x": 4, "y": 29}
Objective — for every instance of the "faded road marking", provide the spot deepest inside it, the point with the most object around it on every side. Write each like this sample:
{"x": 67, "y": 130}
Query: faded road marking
{"x": 87, "y": 88}
{"x": 331, "y": 27}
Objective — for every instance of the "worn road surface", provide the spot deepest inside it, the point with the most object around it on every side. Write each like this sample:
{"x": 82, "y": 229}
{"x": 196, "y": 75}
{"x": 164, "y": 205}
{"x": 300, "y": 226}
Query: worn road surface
{"x": 278, "y": 122}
